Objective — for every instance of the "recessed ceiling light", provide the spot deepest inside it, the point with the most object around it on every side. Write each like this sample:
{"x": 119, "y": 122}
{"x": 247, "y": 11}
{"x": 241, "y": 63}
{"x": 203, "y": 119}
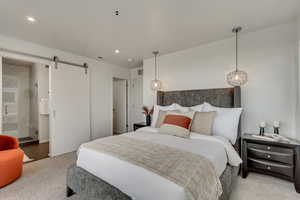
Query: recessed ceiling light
{"x": 30, "y": 19}
{"x": 117, "y": 51}
{"x": 130, "y": 59}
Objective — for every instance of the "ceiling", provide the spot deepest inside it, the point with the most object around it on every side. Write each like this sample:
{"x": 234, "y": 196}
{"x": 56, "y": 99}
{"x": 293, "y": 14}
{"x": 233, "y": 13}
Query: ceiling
{"x": 90, "y": 28}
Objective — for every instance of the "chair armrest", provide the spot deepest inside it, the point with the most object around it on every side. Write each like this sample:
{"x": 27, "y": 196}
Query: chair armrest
{"x": 9, "y": 155}
{"x": 8, "y": 142}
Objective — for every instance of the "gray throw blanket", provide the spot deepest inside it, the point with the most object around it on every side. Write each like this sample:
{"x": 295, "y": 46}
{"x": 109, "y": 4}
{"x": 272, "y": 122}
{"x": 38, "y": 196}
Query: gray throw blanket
{"x": 194, "y": 173}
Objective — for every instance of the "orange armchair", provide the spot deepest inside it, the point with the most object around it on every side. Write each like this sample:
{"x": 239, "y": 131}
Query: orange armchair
{"x": 11, "y": 159}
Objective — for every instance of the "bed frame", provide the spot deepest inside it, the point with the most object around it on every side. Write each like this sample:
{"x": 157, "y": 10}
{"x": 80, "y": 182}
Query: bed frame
{"x": 221, "y": 97}
{"x": 90, "y": 187}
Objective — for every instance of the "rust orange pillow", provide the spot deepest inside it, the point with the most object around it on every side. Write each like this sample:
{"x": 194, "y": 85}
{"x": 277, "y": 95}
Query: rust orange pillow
{"x": 178, "y": 120}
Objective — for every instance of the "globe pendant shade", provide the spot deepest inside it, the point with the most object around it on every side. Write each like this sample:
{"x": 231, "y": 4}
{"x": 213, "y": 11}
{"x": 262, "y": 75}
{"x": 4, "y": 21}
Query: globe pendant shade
{"x": 237, "y": 78}
{"x": 155, "y": 85}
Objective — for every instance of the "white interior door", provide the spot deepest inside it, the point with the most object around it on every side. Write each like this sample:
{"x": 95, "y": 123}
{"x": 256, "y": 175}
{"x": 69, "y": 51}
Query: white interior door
{"x": 70, "y": 109}
{"x": 119, "y": 106}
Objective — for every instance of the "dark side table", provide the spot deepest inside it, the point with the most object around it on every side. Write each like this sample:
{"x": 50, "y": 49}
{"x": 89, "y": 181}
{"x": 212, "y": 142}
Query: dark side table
{"x": 139, "y": 125}
{"x": 278, "y": 159}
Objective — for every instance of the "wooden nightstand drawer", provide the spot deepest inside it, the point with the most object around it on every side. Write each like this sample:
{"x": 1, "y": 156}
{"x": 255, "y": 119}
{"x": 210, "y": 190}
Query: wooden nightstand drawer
{"x": 270, "y": 148}
{"x": 287, "y": 158}
{"x": 285, "y": 170}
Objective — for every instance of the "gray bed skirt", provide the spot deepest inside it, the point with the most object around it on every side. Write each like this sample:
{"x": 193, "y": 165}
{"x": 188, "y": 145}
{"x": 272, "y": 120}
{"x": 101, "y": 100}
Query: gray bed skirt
{"x": 90, "y": 187}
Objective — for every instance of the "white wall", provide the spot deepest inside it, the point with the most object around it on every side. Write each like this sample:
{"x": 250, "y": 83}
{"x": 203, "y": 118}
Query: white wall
{"x": 102, "y": 96}
{"x": 267, "y": 55}
{"x": 101, "y": 74}
{"x": 135, "y": 98}
{"x": 22, "y": 75}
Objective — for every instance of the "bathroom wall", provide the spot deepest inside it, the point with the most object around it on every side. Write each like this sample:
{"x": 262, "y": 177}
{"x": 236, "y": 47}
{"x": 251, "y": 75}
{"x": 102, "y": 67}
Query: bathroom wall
{"x": 21, "y": 74}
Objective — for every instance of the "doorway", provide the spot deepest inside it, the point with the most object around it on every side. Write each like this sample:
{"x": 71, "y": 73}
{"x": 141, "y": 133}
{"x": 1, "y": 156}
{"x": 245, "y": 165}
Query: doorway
{"x": 120, "y": 106}
{"x": 25, "y": 94}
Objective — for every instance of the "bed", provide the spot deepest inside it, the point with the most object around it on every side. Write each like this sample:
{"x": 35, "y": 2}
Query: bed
{"x": 83, "y": 178}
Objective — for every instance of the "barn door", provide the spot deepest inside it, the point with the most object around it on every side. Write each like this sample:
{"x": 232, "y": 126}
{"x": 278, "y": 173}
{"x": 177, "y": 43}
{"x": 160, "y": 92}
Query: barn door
{"x": 69, "y": 108}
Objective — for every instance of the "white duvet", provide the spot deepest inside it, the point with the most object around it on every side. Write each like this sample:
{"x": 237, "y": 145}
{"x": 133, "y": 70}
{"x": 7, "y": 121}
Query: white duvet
{"x": 142, "y": 184}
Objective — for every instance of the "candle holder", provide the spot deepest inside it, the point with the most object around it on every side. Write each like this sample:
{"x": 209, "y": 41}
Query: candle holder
{"x": 262, "y": 126}
{"x": 261, "y": 131}
{"x": 276, "y": 126}
{"x": 276, "y": 130}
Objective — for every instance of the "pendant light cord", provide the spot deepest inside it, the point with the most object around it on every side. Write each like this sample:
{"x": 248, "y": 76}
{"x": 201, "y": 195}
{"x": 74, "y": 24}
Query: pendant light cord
{"x": 236, "y": 30}
{"x": 236, "y": 50}
{"x": 155, "y": 68}
{"x": 155, "y": 57}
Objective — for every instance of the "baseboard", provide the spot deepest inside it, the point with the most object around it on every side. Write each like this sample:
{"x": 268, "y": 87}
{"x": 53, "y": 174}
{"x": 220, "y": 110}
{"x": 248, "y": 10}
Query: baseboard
{"x": 43, "y": 141}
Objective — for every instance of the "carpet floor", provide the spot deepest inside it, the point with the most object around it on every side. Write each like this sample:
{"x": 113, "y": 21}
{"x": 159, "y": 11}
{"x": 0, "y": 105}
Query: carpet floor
{"x": 46, "y": 180}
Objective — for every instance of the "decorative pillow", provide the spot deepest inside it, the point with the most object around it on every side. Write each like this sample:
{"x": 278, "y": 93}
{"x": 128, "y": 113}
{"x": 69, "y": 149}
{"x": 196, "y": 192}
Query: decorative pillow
{"x": 226, "y": 122}
{"x": 203, "y": 122}
{"x": 177, "y": 124}
{"x": 161, "y": 117}
{"x": 156, "y": 111}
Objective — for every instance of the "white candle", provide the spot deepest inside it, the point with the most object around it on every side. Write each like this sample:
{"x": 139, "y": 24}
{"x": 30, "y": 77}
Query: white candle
{"x": 262, "y": 124}
{"x": 276, "y": 124}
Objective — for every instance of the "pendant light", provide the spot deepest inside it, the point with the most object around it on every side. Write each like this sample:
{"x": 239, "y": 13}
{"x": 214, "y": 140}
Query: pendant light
{"x": 237, "y": 77}
{"x": 155, "y": 84}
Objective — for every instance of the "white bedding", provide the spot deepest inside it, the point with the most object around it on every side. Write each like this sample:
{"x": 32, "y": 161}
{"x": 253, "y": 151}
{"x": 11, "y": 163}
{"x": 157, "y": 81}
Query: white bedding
{"x": 140, "y": 183}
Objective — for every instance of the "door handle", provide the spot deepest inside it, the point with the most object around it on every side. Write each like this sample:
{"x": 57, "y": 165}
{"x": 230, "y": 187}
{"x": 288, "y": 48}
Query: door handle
{"x": 6, "y": 112}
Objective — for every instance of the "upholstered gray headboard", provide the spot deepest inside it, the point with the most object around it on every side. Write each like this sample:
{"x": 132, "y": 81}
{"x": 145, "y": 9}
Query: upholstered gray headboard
{"x": 221, "y": 97}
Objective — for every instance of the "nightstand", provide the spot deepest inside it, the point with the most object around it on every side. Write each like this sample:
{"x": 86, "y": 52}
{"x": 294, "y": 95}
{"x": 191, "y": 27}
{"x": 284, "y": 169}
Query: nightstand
{"x": 279, "y": 159}
{"x": 138, "y": 125}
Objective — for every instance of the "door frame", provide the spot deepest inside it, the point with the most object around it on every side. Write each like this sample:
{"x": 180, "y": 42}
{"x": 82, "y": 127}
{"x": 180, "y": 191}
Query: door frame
{"x": 127, "y": 103}
{"x": 33, "y": 60}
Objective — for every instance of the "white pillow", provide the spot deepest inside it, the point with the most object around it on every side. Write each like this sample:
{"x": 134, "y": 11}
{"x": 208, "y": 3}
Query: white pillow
{"x": 181, "y": 108}
{"x": 198, "y": 108}
{"x": 226, "y": 122}
{"x": 156, "y": 111}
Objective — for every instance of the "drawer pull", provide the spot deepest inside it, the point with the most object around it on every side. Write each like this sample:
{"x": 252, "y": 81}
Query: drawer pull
{"x": 268, "y": 168}
{"x": 269, "y": 148}
{"x": 268, "y": 156}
